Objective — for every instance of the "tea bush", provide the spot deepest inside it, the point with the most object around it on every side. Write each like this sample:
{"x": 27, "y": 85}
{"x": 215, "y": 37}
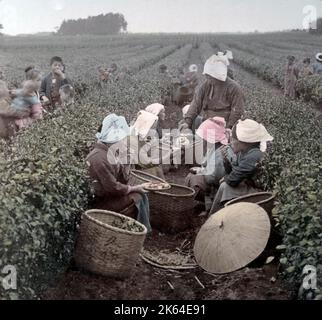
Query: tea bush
{"x": 293, "y": 171}
{"x": 44, "y": 188}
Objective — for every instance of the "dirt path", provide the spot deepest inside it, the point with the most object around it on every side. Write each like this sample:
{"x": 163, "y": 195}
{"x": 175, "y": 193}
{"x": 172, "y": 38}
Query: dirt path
{"x": 150, "y": 283}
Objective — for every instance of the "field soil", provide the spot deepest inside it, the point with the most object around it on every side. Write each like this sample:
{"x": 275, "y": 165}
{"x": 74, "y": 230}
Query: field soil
{"x": 257, "y": 281}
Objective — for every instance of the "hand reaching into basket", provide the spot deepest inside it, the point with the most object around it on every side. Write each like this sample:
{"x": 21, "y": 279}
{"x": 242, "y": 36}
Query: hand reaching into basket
{"x": 138, "y": 189}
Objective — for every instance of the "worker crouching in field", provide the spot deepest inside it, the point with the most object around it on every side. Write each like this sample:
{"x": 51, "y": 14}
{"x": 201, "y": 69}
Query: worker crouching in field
{"x": 217, "y": 95}
{"x": 109, "y": 171}
{"x": 249, "y": 142}
{"x": 51, "y": 84}
{"x": 291, "y": 77}
{"x": 205, "y": 180}
{"x": 8, "y": 114}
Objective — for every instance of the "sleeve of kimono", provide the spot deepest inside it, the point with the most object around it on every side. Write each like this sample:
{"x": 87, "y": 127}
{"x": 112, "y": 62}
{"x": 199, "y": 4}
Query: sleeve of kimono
{"x": 196, "y": 105}
{"x": 7, "y": 111}
{"x": 37, "y": 112}
{"x": 237, "y": 107}
{"x": 66, "y": 81}
{"x": 42, "y": 91}
{"x": 296, "y": 72}
{"x": 107, "y": 180}
{"x": 245, "y": 169}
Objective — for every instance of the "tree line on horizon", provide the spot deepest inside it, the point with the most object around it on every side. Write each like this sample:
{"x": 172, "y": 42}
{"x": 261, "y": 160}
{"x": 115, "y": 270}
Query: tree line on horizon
{"x": 103, "y": 24}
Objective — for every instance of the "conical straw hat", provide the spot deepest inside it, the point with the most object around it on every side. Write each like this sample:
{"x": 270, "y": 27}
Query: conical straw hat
{"x": 232, "y": 238}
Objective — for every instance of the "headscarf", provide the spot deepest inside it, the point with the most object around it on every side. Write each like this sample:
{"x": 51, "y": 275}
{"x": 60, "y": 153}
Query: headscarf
{"x": 185, "y": 110}
{"x": 193, "y": 68}
{"x": 217, "y": 66}
{"x": 144, "y": 123}
{"x": 250, "y": 131}
{"x": 114, "y": 129}
{"x": 319, "y": 57}
{"x": 214, "y": 131}
{"x": 155, "y": 108}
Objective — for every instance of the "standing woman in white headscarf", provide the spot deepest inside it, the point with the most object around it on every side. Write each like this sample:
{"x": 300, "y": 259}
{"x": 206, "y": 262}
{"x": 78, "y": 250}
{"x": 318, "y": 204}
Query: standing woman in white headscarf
{"x": 109, "y": 172}
{"x": 249, "y": 142}
{"x": 217, "y": 96}
{"x": 291, "y": 77}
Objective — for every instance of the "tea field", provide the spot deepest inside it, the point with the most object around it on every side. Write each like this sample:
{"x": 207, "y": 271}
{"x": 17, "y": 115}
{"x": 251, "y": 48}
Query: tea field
{"x": 44, "y": 188}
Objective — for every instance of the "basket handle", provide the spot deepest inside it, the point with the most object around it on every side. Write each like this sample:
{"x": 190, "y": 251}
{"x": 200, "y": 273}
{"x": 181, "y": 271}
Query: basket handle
{"x": 191, "y": 194}
{"x": 137, "y": 173}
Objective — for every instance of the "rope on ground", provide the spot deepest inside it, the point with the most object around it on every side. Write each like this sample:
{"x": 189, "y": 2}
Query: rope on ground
{"x": 154, "y": 264}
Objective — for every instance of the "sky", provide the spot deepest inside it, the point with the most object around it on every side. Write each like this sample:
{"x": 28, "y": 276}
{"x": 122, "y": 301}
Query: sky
{"x": 31, "y": 16}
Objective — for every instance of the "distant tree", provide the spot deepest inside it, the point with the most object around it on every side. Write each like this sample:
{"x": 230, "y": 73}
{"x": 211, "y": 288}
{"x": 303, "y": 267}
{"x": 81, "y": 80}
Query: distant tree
{"x": 111, "y": 23}
{"x": 1, "y": 28}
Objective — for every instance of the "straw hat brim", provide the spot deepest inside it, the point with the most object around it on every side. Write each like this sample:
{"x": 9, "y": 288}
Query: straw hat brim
{"x": 319, "y": 57}
{"x": 232, "y": 238}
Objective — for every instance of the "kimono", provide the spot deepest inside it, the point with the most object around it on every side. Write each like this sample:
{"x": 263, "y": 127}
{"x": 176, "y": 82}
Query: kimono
{"x": 306, "y": 71}
{"x": 317, "y": 68}
{"x": 109, "y": 182}
{"x": 291, "y": 77}
{"x": 50, "y": 88}
{"x": 7, "y": 117}
{"x": 239, "y": 182}
{"x": 214, "y": 98}
{"x": 212, "y": 171}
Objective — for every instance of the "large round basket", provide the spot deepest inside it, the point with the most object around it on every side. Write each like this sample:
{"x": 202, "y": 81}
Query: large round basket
{"x": 263, "y": 199}
{"x": 105, "y": 249}
{"x": 172, "y": 211}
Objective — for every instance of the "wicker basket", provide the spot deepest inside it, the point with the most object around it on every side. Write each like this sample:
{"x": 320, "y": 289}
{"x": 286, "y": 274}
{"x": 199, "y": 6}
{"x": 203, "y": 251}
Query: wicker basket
{"x": 130, "y": 211}
{"x": 106, "y": 250}
{"x": 172, "y": 211}
{"x": 263, "y": 199}
{"x": 138, "y": 177}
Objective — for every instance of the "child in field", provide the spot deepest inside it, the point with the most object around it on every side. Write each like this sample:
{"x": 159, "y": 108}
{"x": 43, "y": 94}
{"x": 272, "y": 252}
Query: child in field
{"x": 26, "y": 97}
{"x": 49, "y": 91}
{"x": 291, "y": 77}
{"x": 7, "y": 114}
{"x": 26, "y": 101}
{"x": 306, "y": 70}
{"x": 67, "y": 95}
{"x": 103, "y": 74}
